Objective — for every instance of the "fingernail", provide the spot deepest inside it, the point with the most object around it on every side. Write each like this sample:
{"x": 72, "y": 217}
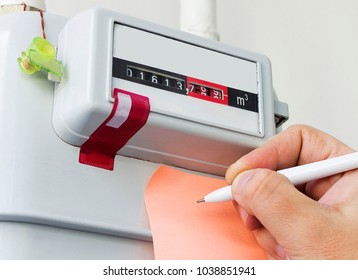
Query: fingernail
{"x": 233, "y": 169}
{"x": 240, "y": 181}
{"x": 281, "y": 253}
{"x": 243, "y": 214}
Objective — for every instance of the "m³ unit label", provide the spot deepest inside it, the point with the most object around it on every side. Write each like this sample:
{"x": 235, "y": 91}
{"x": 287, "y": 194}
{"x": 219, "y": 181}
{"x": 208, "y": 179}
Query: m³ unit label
{"x": 243, "y": 99}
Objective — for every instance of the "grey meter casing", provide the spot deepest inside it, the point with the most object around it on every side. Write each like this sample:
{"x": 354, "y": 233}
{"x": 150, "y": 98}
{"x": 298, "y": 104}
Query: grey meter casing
{"x": 209, "y": 103}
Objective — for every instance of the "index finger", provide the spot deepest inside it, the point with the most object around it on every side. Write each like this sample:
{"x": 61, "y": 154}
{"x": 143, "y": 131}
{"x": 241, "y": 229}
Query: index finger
{"x": 297, "y": 145}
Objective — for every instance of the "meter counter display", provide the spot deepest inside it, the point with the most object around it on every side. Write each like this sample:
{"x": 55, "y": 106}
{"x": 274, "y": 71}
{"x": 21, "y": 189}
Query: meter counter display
{"x": 180, "y": 84}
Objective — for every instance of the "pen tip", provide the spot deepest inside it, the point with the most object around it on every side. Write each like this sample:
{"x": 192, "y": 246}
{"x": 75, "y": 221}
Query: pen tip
{"x": 200, "y": 200}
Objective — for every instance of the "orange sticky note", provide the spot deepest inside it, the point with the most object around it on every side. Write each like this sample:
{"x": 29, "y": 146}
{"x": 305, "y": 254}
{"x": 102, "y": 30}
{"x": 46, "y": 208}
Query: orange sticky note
{"x": 185, "y": 229}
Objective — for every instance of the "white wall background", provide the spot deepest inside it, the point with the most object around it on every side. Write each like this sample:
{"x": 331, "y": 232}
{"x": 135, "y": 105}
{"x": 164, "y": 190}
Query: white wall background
{"x": 312, "y": 44}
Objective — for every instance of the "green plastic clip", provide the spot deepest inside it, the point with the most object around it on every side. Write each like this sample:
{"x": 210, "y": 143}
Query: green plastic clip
{"x": 40, "y": 55}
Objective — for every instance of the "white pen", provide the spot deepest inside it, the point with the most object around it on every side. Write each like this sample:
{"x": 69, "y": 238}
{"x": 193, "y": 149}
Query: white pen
{"x": 299, "y": 174}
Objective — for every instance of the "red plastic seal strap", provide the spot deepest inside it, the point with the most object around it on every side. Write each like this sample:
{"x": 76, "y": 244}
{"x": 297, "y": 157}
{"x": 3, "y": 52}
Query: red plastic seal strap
{"x": 129, "y": 114}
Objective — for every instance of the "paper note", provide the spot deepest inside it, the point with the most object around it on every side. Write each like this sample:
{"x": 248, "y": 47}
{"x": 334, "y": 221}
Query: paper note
{"x": 184, "y": 229}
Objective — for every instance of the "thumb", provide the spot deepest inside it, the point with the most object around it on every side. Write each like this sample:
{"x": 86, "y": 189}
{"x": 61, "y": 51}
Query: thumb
{"x": 275, "y": 202}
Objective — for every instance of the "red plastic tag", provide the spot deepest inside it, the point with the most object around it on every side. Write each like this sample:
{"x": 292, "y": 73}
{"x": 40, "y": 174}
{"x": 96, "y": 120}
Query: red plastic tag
{"x": 129, "y": 114}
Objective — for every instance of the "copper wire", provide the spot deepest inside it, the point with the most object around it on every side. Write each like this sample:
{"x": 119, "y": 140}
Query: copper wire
{"x": 42, "y": 20}
{"x": 42, "y": 24}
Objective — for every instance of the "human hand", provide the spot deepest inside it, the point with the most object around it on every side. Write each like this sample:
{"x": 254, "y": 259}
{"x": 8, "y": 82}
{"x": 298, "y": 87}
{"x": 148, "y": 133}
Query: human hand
{"x": 317, "y": 220}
